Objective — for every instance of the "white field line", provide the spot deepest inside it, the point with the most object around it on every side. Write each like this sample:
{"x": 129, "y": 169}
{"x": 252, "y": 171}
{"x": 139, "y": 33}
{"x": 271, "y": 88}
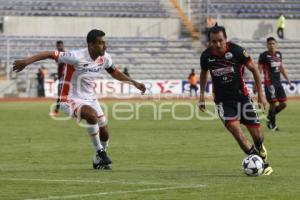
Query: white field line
{"x": 87, "y": 181}
{"x": 119, "y": 192}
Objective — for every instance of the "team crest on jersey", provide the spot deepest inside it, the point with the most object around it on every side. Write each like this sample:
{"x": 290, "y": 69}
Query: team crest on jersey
{"x": 228, "y": 55}
{"x": 100, "y": 60}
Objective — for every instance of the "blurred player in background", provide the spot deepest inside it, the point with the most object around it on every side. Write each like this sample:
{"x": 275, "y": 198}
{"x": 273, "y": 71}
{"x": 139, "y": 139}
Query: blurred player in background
{"x": 60, "y": 76}
{"x": 225, "y": 61}
{"x": 270, "y": 63}
{"x": 280, "y": 26}
{"x": 193, "y": 80}
{"x": 77, "y": 97}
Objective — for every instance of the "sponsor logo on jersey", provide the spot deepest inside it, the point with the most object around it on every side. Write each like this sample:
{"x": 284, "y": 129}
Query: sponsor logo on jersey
{"x": 66, "y": 54}
{"x": 94, "y": 70}
{"x": 211, "y": 60}
{"x": 275, "y": 64}
{"x": 222, "y": 71}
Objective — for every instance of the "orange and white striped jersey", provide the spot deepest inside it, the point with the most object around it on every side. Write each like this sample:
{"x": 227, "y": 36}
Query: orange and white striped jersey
{"x": 80, "y": 73}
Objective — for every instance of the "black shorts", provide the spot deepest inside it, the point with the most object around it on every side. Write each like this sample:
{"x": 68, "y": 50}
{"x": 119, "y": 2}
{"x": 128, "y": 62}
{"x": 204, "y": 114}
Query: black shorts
{"x": 194, "y": 87}
{"x": 243, "y": 111}
{"x": 275, "y": 93}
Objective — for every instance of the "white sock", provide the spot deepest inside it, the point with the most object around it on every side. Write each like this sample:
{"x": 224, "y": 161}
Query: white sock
{"x": 104, "y": 144}
{"x": 96, "y": 141}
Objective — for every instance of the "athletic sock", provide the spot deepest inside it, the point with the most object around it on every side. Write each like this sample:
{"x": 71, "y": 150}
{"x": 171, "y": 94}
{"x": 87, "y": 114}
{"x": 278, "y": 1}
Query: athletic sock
{"x": 104, "y": 144}
{"x": 279, "y": 108}
{"x": 272, "y": 117}
{"x": 252, "y": 150}
{"x": 96, "y": 142}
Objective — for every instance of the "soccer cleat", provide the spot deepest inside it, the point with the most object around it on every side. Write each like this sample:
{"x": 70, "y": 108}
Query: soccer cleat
{"x": 262, "y": 152}
{"x": 272, "y": 126}
{"x": 102, "y": 161}
{"x": 275, "y": 128}
{"x": 268, "y": 170}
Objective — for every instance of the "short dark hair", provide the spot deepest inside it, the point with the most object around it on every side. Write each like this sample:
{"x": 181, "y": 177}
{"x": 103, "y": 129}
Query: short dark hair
{"x": 93, "y": 34}
{"x": 269, "y": 39}
{"x": 59, "y": 42}
{"x": 216, "y": 29}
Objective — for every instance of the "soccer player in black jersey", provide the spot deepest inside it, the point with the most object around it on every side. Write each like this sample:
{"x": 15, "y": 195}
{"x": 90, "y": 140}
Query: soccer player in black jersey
{"x": 226, "y": 61}
{"x": 270, "y": 62}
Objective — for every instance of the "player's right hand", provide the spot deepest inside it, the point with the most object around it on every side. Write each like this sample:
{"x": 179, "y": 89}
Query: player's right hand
{"x": 201, "y": 104}
{"x": 19, "y": 65}
{"x": 141, "y": 87}
{"x": 261, "y": 102}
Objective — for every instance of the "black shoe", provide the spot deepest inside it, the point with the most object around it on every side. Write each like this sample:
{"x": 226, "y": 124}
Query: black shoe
{"x": 275, "y": 129}
{"x": 268, "y": 170}
{"x": 101, "y": 160}
{"x": 270, "y": 125}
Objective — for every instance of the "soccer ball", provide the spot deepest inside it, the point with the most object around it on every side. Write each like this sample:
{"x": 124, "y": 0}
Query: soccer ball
{"x": 253, "y": 165}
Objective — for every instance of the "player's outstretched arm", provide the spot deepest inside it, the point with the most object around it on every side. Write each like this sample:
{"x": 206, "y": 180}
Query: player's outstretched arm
{"x": 260, "y": 69}
{"x": 260, "y": 97}
{"x": 117, "y": 74}
{"x": 19, "y": 65}
{"x": 203, "y": 81}
{"x": 283, "y": 72}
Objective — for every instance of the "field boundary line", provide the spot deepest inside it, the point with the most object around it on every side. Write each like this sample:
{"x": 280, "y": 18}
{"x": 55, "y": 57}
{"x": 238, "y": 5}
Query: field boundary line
{"x": 87, "y": 181}
{"x": 120, "y": 192}
{"x": 104, "y": 99}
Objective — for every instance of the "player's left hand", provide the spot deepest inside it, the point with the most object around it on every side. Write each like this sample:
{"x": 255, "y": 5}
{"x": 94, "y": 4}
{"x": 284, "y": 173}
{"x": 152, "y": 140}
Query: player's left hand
{"x": 261, "y": 101}
{"x": 140, "y": 86}
{"x": 19, "y": 65}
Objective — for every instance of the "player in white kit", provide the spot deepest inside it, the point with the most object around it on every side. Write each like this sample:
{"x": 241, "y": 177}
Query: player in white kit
{"x": 77, "y": 96}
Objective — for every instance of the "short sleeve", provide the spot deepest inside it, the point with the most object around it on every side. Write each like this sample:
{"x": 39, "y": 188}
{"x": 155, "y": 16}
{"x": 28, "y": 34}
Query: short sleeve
{"x": 261, "y": 59}
{"x": 66, "y": 57}
{"x": 280, "y": 55}
{"x": 109, "y": 64}
{"x": 244, "y": 56}
{"x": 203, "y": 62}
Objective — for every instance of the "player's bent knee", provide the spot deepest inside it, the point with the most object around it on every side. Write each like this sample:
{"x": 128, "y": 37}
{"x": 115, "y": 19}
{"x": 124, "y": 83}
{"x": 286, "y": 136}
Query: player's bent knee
{"x": 89, "y": 114}
{"x": 102, "y": 121}
{"x": 92, "y": 129}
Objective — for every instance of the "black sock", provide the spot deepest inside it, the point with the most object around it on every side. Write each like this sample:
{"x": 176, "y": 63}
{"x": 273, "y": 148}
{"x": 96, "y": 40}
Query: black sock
{"x": 279, "y": 108}
{"x": 57, "y": 105}
{"x": 258, "y": 145}
{"x": 252, "y": 150}
{"x": 271, "y": 116}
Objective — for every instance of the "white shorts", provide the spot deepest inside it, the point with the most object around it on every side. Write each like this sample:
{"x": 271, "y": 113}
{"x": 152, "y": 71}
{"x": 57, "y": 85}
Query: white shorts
{"x": 73, "y": 105}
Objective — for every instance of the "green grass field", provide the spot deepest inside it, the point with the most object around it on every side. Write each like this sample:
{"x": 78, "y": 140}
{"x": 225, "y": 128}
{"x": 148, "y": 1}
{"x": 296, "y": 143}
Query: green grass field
{"x": 41, "y": 158}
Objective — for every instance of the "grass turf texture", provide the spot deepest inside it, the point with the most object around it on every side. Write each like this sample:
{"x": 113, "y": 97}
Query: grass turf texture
{"x": 152, "y": 159}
